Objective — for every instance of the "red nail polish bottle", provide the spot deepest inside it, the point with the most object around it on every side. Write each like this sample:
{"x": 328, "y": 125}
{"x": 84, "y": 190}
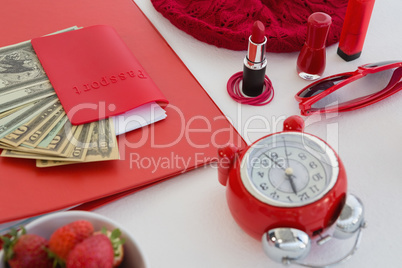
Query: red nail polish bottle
{"x": 312, "y": 57}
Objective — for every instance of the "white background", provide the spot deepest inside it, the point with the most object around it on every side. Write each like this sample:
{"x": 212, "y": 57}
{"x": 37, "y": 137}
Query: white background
{"x": 185, "y": 221}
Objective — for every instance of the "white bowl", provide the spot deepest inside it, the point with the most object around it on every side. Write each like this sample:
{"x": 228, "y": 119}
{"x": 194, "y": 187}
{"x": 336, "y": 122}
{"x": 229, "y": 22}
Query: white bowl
{"x": 46, "y": 225}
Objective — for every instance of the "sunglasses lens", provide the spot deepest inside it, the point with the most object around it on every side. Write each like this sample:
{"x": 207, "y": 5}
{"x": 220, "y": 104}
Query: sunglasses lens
{"x": 322, "y": 86}
{"x": 358, "y": 90}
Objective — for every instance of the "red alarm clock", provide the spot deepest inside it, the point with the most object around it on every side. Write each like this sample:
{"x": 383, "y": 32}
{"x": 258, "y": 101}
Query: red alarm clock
{"x": 288, "y": 189}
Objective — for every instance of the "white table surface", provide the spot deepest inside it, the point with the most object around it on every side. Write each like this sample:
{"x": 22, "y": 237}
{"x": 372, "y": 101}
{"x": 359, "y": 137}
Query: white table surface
{"x": 185, "y": 221}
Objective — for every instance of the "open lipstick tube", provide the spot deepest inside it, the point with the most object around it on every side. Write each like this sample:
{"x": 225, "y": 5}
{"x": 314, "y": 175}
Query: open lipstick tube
{"x": 255, "y": 62}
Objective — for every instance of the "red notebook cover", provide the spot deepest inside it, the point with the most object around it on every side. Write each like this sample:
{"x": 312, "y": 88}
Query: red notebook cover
{"x": 94, "y": 73}
{"x": 186, "y": 139}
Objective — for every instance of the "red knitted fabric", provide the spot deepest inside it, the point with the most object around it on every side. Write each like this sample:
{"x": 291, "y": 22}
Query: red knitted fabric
{"x": 228, "y": 23}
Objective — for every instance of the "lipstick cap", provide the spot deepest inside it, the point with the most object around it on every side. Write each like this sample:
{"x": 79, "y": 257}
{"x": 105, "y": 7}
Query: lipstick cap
{"x": 317, "y": 29}
{"x": 354, "y": 28}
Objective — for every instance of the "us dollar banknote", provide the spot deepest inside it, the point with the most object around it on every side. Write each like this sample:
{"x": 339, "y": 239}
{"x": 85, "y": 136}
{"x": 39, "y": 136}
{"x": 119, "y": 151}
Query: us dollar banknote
{"x": 20, "y": 66}
{"x": 25, "y": 95}
{"x": 45, "y": 134}
{"x": 26, "y": 130}
{"x": 78, "y": 145}
{"x": 11, "y": 122}
{"x": 102, "y": 146}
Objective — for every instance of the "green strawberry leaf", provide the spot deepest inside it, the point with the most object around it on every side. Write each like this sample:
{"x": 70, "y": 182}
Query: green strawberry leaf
{"x": 57, "y": 261}
{"x": 115, "y": 238}
{"x": 115, "y": 234}
{"x": 9, "y": 241}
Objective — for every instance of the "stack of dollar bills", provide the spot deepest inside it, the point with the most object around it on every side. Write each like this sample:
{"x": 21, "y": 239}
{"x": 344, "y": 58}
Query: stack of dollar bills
{"x": 33, "y": 123}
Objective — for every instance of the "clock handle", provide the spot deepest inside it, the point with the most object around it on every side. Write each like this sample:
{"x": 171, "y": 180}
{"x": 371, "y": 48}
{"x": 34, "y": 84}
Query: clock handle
{"x": 293, "y": 123}
{"x": 226, "y": 157}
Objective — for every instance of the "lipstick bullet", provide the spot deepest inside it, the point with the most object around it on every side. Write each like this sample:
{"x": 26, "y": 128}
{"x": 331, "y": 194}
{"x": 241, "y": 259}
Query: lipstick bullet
{"x": 255, "y": 62}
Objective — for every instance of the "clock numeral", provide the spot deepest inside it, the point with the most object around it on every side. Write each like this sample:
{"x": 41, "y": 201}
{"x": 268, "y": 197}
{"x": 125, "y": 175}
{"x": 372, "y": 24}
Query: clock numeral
{"x": 274, "y": 195}
{"x": 265, "y": 163}
{"x": 264, "y": 186}
{"x": 274, "y": 155}
{"x": 302, "y": 156}
{"x": 303, "y": 196}
{"x": 261, "y": 174}
{"x": 314, "y": 189}
{"x": 290, "y": 199}
{"x": 313, "y": 164}
{"x": 317, "y": 177}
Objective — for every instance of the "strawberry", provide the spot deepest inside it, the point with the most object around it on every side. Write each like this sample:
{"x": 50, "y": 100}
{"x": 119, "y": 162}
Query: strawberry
{"x": 64, "y": 239}
{"x": 26, "y": 250}
{"x": 117, "y": 242}
{"x": 94, "y": 252}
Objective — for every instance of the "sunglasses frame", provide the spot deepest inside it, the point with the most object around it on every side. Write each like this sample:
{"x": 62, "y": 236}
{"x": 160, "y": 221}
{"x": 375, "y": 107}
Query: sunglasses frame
{"x": 393, "y": 86}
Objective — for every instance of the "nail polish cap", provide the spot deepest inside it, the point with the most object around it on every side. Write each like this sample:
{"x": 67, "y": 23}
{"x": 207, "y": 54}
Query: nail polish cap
{"x": 317, "y": 29}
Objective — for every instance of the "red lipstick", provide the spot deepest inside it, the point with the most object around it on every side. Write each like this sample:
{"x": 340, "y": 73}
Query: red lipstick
{"x": 255, "y": 62}
{"x": 354, "y": 28}
{"x": 258, "y": 32}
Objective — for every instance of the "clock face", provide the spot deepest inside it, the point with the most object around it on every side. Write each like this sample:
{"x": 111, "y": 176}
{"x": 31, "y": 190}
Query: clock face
{"x": 289, "y": 169}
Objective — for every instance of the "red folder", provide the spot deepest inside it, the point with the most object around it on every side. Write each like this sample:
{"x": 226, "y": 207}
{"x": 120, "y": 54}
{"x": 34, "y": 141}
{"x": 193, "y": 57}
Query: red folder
{"x": 92, "y": 69}
{"x": 186, "y": 139}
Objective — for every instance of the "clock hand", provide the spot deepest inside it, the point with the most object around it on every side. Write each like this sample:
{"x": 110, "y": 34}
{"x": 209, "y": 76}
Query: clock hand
{"x": 289, "y": 174}
{"x": 273, "y": 160}
{"x": 286, "y": 152}
{"x": 276, "y": 163}
{"x": 289, "y": 170}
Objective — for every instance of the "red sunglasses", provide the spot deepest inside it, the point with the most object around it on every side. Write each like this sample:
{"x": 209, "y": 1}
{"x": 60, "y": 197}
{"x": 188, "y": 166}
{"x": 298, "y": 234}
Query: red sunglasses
{"x": 325, "y": 95}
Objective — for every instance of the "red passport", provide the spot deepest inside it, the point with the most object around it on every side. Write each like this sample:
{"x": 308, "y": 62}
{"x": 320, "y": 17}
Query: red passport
{"x": 94, "y": 73}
